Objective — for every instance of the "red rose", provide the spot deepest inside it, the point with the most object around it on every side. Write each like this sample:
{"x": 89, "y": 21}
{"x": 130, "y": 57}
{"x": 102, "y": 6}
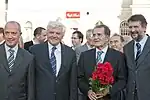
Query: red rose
{"x": 103, "y": 74}
{"x": 94, "y": 76}
{"x": 100, "y": 65}
{"x": 111, "y": 80}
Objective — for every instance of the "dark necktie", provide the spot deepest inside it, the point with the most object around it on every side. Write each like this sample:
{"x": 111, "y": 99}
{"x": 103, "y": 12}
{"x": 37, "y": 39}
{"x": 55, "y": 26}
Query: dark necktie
{"x": 11, "y": 59}
{"x": 138, "y": 51}
{"x": 99, "y": 58}
{"x": 53, "y": 60}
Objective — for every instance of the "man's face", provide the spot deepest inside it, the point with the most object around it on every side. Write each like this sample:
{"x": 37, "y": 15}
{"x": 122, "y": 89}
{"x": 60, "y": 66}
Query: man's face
{"x": 11, "y": 34}
{"x": 42, "y": 36}
{"x": 75, "y": 40}
{"x": 55, "y": 35}
{"x": 99, "y": 37}
{"x": 136, "y": 30}
{"x": 1, "y": 37}
{"x": 115, "y": 43}
{"x": 90, "y": 41}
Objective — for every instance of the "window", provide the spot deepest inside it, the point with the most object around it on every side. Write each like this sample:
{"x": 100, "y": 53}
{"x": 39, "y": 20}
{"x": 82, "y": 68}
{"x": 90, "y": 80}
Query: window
{"x": 28, "y": 28}
{"x": 124, "y": 28}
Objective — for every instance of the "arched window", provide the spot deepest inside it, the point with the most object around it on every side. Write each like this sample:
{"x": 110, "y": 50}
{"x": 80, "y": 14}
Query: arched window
{"x": 28, "y": 28}
{"x": 124, "y": 30}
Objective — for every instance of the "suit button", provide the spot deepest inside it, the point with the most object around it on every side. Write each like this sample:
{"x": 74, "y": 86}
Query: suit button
{"x": 54, "y": 93}
{"x": 136, "y": 72}
{"x": 9, "y": 75}
{"x": 56, "y": 81}
{"x": 133, "y": 93}
{"x": 136, "y": 88}
{"x": 134, "y": 82}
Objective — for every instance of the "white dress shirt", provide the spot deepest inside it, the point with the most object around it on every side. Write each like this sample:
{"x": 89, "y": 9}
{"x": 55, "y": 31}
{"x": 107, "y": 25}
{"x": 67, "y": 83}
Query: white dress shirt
{"x": 103, "y": 54}
{"x": 142, "y": 43}
{"x": 57, "y": 53}
{"x": 2, "y": 42}
{"x": 8, "y": 53}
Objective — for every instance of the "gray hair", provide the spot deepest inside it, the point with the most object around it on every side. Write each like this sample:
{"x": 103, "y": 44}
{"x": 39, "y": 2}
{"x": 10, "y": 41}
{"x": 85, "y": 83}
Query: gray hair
{"x": 56, "y": 24}
{"x": 89, "y": 33}
{"x": 14, "y": 22}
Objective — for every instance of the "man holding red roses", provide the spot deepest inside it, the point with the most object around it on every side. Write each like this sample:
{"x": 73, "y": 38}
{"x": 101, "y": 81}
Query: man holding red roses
{"x": 101, "y": 54}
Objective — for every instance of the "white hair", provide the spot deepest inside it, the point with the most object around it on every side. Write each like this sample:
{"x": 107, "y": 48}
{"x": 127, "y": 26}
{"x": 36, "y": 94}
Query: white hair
{"x": 56, "y": 24}
{"x": 89, "y": 33}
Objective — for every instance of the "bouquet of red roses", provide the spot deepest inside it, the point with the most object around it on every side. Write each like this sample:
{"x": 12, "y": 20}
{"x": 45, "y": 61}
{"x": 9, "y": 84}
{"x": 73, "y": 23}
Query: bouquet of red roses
{"x": 102, "y": 78}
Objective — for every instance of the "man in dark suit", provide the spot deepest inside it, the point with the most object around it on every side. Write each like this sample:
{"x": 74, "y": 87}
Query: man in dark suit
{"x": 88, "y": 60}
{"x": 137, "y": 53}
{"x": 39, "y": 37}
{"x": 87, "y": 46}
{"x": 16, "y": 67}
{"x": 77, "y": 39}
{"x": 56, "y": 70}
{"x": 1, "y": 35}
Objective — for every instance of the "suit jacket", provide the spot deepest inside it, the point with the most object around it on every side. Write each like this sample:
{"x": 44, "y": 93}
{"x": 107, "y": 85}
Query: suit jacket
{"x": 27, "y": 45}
{"x": 86, "y": 66}
{"x": 19, "y": 83}
{"x": 48, "y": 86}
{"x": 138, "y": 74}
{"x": 80, "y": 49}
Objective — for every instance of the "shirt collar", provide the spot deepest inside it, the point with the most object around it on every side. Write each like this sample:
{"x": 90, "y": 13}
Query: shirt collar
{"x": 35, "y": 42}
{"x": 104, "y": 49}
{"x": 57, "y": 46}
{"x": 14, "y": 48}
{"x": 2, "y": 42}
{"x": 143, "y": 41}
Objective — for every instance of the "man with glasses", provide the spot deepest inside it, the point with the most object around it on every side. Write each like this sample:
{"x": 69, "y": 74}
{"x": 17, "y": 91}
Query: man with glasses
{"x": 77, "y": 39}
{"x": 1, "y": 35}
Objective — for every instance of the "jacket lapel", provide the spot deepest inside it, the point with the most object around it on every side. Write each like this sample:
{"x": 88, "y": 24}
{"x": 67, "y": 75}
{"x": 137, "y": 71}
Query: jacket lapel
{"x": 92, "y": 55}
{"x": 45, "y": 57}
{"x": 3, "y": 58}
{"x": 18, "y": 60}
{"x": 145, "y": 51}
{"x": 63, "y": 60}
{"x": 109, "y": 56}
{"x": 131, "y": 54}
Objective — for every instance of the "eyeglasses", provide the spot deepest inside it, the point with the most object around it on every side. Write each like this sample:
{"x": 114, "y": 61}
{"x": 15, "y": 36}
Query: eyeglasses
{"x": 74, "y": 38}
{"x": 97, "y": 35}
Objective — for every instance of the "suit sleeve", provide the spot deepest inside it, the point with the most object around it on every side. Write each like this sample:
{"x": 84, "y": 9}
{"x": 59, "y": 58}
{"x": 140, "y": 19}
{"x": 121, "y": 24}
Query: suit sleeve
{"x": 31, "y": 80}
{"x": 82, "y": 81}
{"x": 73, "y": 80}
{"x": 120, "y": 77}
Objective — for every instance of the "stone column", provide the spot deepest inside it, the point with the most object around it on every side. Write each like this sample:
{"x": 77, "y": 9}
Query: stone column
{"x": 126, "y": 11}
{"x": 2, "y": 13}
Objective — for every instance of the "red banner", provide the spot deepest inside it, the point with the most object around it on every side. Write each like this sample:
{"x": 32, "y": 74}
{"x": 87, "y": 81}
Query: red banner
{"x": 72, "y": 14}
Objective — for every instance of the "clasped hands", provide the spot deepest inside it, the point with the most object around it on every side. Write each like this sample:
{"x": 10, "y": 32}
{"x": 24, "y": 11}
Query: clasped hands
{"x": 95, "y": 96}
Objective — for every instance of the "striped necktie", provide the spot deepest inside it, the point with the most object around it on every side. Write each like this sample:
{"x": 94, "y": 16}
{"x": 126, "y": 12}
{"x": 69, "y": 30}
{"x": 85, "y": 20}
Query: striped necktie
{"x": 11, "y": 59}
{"x": 53, "y": 60}
{"x": 99, "y": 58}
{"x": 138, "y": 51}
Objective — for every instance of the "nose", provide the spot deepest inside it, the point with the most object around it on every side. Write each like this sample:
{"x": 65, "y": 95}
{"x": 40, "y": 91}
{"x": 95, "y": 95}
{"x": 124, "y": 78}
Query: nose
{"x": 132, "y": 29}
{"x": 95, "y": 37}
{"x": 113, "y": 43}
{"x": 9, "y": 36}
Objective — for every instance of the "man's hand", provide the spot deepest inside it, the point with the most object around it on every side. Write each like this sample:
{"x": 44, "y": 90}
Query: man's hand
{"x": 103, "y": 93}
{"x": 92, "y": 95}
